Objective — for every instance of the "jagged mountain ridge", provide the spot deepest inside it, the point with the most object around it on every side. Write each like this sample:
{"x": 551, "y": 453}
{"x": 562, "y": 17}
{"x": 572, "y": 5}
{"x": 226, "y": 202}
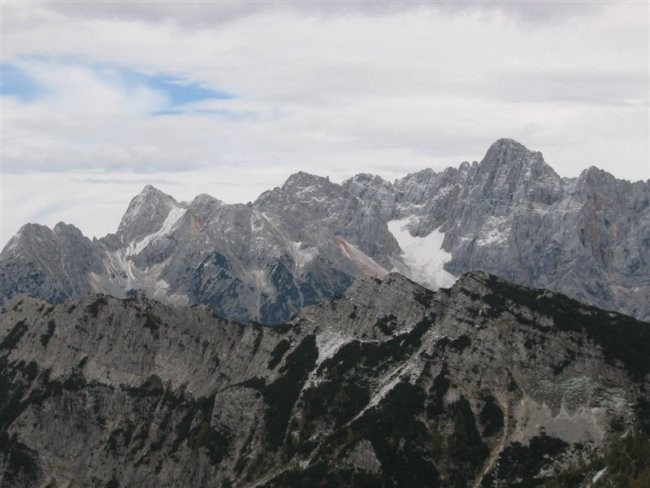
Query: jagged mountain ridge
{"x": 483, "y": 384}
{"x": 510, "y": 215}
{"x": 513, "y": 216}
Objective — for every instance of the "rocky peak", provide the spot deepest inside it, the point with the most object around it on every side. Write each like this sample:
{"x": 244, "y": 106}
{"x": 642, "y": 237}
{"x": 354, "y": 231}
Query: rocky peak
{"x": 146, "y": 213}
{"x": 366, "y": 179}
{"x": 38, "y": 235}
{"x": 594, "y": 177}
{"x": 510, "y": 171}
{"x": 363, "y": 183}
{"x": 507, "y": 155}
{"x": 203, "y": 205}
{"x": 61, "y": 228}
{"x": 507, "y": 150}
{"x": 417, "y": 188}
{"x": 373, "y": 188}
{"x": 423, "y": 176}
{"x": 31, "y": 230}
{"x": 205, "y": 199}
{"x": 300, "y": 188}
{"x": 301, "y": 180}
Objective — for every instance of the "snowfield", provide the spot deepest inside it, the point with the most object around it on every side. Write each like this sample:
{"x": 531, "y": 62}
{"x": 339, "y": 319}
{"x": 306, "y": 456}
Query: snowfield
{"x": 424, "y": 256}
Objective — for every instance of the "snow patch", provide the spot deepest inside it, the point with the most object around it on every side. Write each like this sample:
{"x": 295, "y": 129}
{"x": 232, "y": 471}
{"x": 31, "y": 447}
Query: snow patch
{"x": 424, "y": 256}
{"x": 167, "y": 227}
{"x": 495, "y": 231}
{"x": 121, "y": 275}
{"x": 599, "y": 475}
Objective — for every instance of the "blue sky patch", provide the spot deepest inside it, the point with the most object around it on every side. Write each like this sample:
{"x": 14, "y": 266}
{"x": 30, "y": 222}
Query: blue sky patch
{"x": 181, "y": 93}
{"x": 16, "y": 82}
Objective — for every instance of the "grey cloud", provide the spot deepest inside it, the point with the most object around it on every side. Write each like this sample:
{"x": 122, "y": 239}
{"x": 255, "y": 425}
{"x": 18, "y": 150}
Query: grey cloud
{"x": 593, "y": 87}
{"x": 198, "y": 14}
{"x": 124, "y": 181}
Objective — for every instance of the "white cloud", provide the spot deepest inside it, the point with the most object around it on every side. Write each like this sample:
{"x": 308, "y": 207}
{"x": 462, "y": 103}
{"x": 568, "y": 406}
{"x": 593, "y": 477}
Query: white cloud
{"x": 331, "y": 90}
{"x": 75, "y": 90}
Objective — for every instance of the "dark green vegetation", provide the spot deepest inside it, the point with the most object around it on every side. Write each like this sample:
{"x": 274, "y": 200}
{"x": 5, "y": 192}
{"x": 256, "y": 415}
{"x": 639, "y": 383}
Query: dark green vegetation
{"x": 14, "y": 335}
{"x": 96, "y": 305}
{"x": 322, "y": 474}
{"x": 491, "y": 417}
{"x": 278, "y": 353}
{"x": 628, "y": 460}
{"x": 518, "y": 462}
{"x": 374, "y": 356}
{"x": 625, "y": 463}
{"x": 335, "y": 402}
{"x": 45, "y": 338}
{"x": 387, "y": 324}
{"x": 281, "y": 395}
{"x": 621, "y": 337}
{"x": 21, "y": 462}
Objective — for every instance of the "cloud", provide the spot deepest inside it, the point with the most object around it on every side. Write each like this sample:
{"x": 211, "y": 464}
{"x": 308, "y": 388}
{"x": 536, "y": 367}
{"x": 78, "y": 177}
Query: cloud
{"x": 72, "y": 85}
{"x": 255, "y": 91}
{"x": 201, "y": 14}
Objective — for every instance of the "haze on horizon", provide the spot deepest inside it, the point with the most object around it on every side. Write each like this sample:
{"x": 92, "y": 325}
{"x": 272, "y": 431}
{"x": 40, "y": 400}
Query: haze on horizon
{"x": 99, "y": 99}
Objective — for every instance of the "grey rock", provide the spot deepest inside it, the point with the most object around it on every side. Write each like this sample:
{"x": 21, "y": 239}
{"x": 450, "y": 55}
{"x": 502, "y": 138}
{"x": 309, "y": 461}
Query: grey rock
{"x": 49, "y": 263}
{"x": 510, "y": 215}
{"x": 392, "y": 381}
{"x": 513, "y": 216}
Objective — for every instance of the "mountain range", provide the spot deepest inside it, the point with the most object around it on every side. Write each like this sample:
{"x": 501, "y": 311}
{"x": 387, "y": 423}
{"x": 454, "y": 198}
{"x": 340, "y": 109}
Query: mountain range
{"x": 510, "y": 215}
{"x": 481, "y": 326}
{"x": 391, "y": 385}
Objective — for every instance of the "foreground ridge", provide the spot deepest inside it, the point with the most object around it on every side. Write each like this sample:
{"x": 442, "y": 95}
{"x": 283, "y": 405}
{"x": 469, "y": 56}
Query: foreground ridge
{"x": 389, "y": 385}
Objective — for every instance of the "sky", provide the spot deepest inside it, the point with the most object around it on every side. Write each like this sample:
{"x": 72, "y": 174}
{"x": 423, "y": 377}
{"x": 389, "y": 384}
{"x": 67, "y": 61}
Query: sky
{"x": 229, "y": 98}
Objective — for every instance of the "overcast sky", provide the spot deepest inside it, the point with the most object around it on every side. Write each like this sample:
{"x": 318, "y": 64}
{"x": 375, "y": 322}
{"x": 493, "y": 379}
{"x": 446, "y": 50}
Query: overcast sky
{"x": 226, "y": 98}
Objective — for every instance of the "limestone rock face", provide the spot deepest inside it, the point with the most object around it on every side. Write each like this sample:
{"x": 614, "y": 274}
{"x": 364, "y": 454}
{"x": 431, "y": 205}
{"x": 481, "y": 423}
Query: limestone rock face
{"x": 513, "y": 216}
{"x": 484, "y": 384}
{"x": 510, "y": 215}
{"x": 52, "y": 264}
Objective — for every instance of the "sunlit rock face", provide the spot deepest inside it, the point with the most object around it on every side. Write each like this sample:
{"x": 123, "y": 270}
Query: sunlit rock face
{"x": 483, "y": 384}
{"x": 510, "y": 215}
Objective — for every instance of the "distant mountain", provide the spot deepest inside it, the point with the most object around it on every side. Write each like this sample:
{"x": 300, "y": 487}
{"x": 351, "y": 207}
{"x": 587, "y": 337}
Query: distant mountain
{"x": 484, "y": 384}
{"x": 510, "y": 215}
